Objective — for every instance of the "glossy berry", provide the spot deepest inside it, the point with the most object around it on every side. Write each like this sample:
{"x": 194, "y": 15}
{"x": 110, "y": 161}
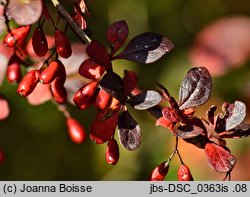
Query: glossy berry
{"x": 62, "y": 44}
{"x": 76, "y": 131}
{"x": 2, "y": 157}
{"x": 28, "y": 83}
{"x": 86, "y": 95}
{"x": 184, "y": 173}
{"x": 58, "y": 91}
{"x": 102, "y": 100}
{"x": 17, "y": 36}
{"x": 50, "y": 73}
{"x": 160, "y": 172}
{"x": 39, "y": 42}
{"x": 91, "y": 70}
{"x": 112, "y": 152}
{"x": 13, "y": 72}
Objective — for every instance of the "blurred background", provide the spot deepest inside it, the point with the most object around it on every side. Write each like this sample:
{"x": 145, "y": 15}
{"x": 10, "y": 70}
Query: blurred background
{"x": 214, "y": 33}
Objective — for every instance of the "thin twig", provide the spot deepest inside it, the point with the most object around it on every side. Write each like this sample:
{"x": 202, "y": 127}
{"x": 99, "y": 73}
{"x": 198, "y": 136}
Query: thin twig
{"x": 65, "y": 15}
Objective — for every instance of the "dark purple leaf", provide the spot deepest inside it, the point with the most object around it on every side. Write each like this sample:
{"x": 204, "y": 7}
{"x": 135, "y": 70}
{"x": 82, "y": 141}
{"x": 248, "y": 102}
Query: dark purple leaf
{"x": 235, "y": 114}
{"x": 199, "y": 141}
{"x": 145, "y": 100}
{"x": 190, "y": 129}
{"x": 129, "y": 131}
{"x": 146, "y": 48}
{"x": 195, "y": 88}
{"x": 113, "y": 85}
{"x": 240, "y": 131}
{"x": 219, "y": 158}
{"x": 98, "y": 53}
{"x": 210, "y": 114}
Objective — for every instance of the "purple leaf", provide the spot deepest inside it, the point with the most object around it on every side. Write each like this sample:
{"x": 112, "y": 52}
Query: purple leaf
{"x": 195, "y": 88}
{"x": 240, "y": 131}
{"x": 146, "y": 48}
{"x": 113, "y": 85}
{"x": 129, "y": 131}
{"x": 235, "y": 114}
{"x": 190, "y": 129}
{"x": 145, "y": 100}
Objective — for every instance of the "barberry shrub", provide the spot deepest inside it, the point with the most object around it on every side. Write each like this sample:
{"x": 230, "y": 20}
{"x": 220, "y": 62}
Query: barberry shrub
{"x": 46, "y": 67}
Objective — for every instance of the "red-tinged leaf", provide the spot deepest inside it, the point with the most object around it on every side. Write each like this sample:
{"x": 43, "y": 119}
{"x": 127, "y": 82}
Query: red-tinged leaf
{"x": 25, "y": 12}
{"x": 145, "y": 100}
{"x": 195, "y": 88}
{"x": 160, "y": 172}
{"x": 112, "y": 152}
{"x": 28, "y": 83}
{"x": 129, "y": 131}
{"x": 240, "y": 131}
{"x": 102, "y": 100}
{"x": 4, "y": 108}
{"x": 163, "y": 122}
{"x": 91, "y": 70}
{"x": 146, "y": 48}
{"x": 235, "y": 114}
{"x": 113, "y": 85}
{"x": 39, "y": 42}
{"x": 130, "y": 81}
{"x": 104, "y": 125}
{"x": 173, "y": 115}
{"x": 219, "y": 158}
{"x": 117, "y": 34}
{"x": 184, "y": 173}
{"x": 76, "y": 131}
{"x": 40, "y": 95}
{"x": 62, "y": 43}
{"x": 98, "y": 53}
{"x": 86, "y": 95}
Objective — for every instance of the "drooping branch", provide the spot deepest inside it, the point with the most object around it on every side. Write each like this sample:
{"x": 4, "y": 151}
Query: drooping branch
{"x": 65, "y": 15}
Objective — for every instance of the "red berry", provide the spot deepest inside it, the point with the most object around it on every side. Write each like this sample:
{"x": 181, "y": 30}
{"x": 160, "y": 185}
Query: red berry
{"x": 86, "y": 95}
{"x": 76, "y": 130}
{"x": 17, "y": 35}
{"x": 112, "y": 152}
{"x": 91, "y": 70}
{"x": 50, "y": 73}
{"x": 102, "y": 100}
{"x": 184, "y": 173}
{"x": 58, "y": 90}
{"x": 39, "y": 42}
{"x": 62, "y": 44}
{"x": 2, "y": 157}
{"x": 28, "y": 83}
{"x": 160, "y": 172}
{"x": 13, "y": 72}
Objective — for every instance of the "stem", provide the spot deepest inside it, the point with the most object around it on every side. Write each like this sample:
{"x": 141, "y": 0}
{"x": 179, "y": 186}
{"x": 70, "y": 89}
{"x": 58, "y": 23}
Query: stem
{"x": 80, "y": 33}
